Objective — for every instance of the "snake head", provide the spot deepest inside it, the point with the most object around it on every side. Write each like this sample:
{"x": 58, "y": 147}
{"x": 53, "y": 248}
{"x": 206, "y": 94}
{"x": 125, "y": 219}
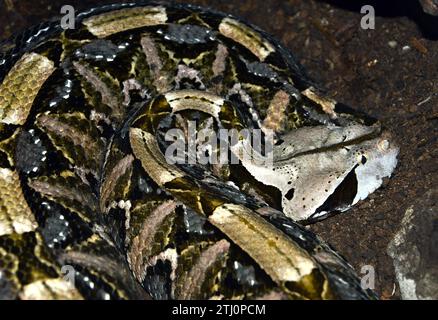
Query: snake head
{"x": 324, "y": 169}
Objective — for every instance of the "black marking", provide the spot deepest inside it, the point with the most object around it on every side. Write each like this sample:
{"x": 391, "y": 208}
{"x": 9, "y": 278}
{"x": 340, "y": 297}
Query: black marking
{"x": 290, "y": 194}
{"x": 341, "y": 198}
{"x": 188, "y": 34}
{"x": 244, "y": 275}
{"x": 98, "y": 50}
{"x": 260, "y": 69}
{"x": 31, "y": 154}
{"x": 194, "y": 222}
{"x": 157, "y": 281}
{"x": 367, "y": 120}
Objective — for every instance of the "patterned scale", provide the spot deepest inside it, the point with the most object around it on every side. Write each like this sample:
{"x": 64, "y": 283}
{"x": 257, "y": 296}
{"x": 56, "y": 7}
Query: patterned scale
{"x": 89, "y": 206}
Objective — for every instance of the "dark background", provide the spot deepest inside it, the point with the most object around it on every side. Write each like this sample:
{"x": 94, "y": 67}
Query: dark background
{"x": 367, "y": 69}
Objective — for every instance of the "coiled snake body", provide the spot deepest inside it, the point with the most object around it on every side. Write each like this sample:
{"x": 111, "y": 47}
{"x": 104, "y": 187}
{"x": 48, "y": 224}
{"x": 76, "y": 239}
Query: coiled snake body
{"x": 91, "y": 208}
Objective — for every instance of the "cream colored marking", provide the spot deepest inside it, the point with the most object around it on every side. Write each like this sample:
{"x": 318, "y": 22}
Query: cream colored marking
{"x": 51, "y": 289}
{"x": 146, "y": 149}
{"x": 195, "y": 100}
{"x": 327, "y": 104}
{"x": 21, "y": 85}
{"x": 250, "y": 39}
{"x": 281, "y": 258}
{"x": 117, "y": 21}
{"x": 15, "y": 214}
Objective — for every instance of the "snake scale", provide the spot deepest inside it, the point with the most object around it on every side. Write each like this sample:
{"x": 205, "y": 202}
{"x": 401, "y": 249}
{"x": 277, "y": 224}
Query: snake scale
{"x": 90, "y": 206}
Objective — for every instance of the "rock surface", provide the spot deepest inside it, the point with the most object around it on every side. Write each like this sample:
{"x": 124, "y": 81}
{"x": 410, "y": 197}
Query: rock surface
{"x": 414, "y": 250}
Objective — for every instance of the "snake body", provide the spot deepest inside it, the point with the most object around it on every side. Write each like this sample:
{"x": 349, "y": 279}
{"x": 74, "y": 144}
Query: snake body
{"x": 91, "y": 209}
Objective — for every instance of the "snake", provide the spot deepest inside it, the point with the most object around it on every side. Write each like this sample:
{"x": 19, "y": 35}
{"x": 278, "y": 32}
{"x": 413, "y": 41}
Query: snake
{"x": 91, "y": 207}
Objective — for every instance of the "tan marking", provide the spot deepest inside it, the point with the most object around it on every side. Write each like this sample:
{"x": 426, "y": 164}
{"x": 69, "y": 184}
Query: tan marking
{"x": 276, "y": 114}
{"x": 192, "y": 281}
{"x": 185, "y": 72}
{"x": 195, "y": 100}
{"x": 68, "y": 190}
{"x": 111, "y": 180}
{"x": 219, "y": 66}
{"x": 219, "y": 63}
{"x": 77, "y": 139}
{"x": 92, "y": 261}
{"x": 142, "y": 244}
{"x": 109, "y": 23}
{"x": 146, "y": 149}
{"x": 58, "y": 126}
{"x": 51, "y": 289}
{"x": 15, "y": 214}
{"x": 108, "y": 97}
{"x": 274, "y": 295}
{"x": 21, "y": 85}
{"x": 327, "y": 104}
{"x": 250, "y": 39}
{"x": 161, "y": 79}
{"x": 129, "y": 85}
{"x": 281, "y": 258}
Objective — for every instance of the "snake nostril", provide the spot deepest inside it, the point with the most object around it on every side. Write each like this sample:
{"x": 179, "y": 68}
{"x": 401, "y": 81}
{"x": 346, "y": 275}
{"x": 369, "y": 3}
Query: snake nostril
{"x": 383, "y": 145}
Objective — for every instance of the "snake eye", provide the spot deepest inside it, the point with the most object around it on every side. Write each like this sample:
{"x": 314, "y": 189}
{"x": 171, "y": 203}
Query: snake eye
{"x": 363, "y": 160}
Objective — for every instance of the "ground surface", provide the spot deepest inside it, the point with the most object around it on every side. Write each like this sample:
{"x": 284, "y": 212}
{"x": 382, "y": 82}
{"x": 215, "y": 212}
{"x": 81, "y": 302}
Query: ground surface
{"x": 390, "y": 72}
